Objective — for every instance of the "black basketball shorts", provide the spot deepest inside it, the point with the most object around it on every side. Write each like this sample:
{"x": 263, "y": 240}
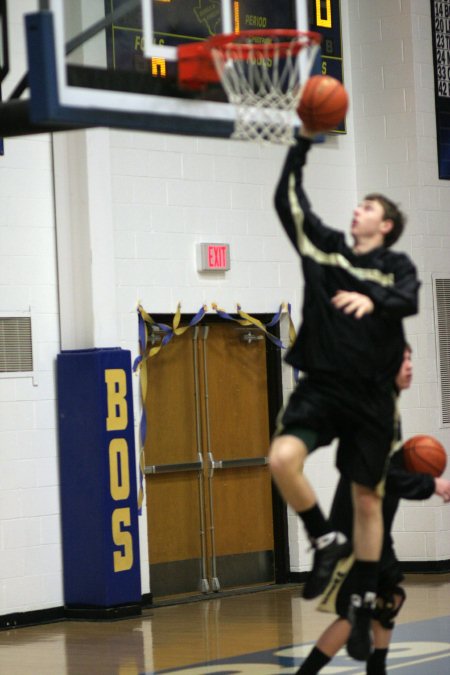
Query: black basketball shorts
{"x": 359, "y": 413}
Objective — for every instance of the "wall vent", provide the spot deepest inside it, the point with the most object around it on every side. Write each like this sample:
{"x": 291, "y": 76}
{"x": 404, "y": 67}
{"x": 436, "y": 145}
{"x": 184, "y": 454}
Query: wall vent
{"x": 441, "y": 289}
{"x": 16, "y": 348}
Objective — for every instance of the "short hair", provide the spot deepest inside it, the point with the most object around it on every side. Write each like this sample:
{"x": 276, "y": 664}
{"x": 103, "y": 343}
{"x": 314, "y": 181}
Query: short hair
{"x": 391, "y": 212}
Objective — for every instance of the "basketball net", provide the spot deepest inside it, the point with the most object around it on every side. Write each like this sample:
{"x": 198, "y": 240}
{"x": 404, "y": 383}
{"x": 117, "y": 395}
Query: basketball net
{"x": 262, "y": 73}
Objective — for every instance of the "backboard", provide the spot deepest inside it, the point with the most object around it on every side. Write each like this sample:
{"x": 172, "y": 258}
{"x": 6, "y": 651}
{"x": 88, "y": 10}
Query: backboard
{"x": 113, "y": 79}
{"x": 4, "y": 51}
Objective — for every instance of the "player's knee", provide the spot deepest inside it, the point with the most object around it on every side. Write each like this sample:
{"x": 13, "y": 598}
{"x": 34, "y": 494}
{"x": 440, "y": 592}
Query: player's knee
{"x": 367, "y": 503}
{"x": 389, "y": 604}
{"x": 285, "y": 456}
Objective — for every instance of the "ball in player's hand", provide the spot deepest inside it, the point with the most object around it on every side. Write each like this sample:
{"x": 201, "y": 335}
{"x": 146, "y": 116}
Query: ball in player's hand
{"x": 323, "y": 104}
{"x": 424, "y": 454}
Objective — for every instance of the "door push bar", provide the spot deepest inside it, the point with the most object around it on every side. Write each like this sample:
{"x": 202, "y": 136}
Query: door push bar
{"x": 236, "y": 463}
{"x": 173, "y": 468}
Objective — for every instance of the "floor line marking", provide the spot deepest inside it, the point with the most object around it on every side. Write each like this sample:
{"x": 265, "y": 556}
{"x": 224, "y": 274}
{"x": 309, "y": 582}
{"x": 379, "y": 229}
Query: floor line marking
{"x": 413, "y": 663}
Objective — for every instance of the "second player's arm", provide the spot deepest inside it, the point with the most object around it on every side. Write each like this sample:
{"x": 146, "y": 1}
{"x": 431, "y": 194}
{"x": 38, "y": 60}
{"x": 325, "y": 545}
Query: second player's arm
{"x": 407, "y": 485}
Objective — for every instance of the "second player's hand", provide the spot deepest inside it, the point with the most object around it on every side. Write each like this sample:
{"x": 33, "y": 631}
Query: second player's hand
{"x": 442, "y": 488}
{"x": 351, "y": 302}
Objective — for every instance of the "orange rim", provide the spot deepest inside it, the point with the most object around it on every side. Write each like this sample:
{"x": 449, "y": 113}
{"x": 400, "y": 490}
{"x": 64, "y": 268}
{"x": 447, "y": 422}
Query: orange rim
{"x": 223, "y": 42}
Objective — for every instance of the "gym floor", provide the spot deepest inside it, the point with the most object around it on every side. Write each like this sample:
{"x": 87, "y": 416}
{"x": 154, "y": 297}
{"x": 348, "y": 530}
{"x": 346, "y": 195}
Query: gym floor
{"x": 265, "y": 632}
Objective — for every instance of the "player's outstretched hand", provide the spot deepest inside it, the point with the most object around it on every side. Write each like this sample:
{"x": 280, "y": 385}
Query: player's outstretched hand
{"x": 442, "y": 488}
{"x": 351, "y": 302}
{"x": 307, "y": 133}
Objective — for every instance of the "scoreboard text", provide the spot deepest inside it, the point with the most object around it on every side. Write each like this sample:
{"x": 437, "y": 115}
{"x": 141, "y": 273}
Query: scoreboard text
{"x": 440, "y": 22}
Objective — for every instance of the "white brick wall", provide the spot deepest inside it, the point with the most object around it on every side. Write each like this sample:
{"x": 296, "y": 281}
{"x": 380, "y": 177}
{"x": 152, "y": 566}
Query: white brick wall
{"x": 169, "y": 193}
{"x": 30, "y": 555}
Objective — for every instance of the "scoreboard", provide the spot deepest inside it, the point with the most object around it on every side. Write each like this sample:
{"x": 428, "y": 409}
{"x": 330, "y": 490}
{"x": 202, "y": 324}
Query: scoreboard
{"x": 440, "y": 21}
{"x": 325, "y": 19}
{"x": 180, "y": 21}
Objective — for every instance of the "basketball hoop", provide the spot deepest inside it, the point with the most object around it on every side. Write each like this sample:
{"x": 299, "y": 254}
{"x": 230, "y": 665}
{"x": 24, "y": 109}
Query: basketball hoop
{"x": 262, "y": 73}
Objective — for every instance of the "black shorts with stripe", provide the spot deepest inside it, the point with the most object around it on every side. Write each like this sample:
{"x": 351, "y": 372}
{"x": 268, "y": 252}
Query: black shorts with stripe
{"x": 358, "y": 412}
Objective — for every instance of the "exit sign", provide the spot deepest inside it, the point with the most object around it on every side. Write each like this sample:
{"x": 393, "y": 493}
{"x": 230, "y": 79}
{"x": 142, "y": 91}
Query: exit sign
{"x": 213, "y": 257}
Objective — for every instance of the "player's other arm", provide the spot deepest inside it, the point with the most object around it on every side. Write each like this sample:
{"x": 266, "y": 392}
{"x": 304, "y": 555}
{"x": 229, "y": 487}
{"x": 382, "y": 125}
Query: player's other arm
{"x": 397, "y": 301}
{"x": 400, "y": 299}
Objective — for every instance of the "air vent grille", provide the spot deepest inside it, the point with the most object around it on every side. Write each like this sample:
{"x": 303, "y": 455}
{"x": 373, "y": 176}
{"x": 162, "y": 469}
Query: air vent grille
{"x": 16, "y": 353}
{"x": 442, "y": 307}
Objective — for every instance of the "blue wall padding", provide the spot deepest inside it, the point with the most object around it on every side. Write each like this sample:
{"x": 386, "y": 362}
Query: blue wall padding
{"x": 98, "y": 478}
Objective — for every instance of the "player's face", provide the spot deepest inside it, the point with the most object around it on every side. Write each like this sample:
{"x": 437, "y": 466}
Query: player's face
{"x": 368, "y": 221}
{"x": 404, "y": 375}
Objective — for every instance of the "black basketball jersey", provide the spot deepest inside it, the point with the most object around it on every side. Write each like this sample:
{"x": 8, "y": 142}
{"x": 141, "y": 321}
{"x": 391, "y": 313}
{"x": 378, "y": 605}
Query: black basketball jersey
{"x": 330, "y": 340}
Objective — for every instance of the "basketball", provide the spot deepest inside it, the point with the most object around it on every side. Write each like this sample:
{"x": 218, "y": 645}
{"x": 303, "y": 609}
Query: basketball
{"x": 424, "y": 454}
{"x": 323, "y": 104}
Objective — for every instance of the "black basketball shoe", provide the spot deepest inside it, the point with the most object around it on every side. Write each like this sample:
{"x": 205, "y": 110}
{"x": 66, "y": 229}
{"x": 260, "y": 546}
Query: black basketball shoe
{"x": 360, "y": 614}
{"x": 329, "y": 548}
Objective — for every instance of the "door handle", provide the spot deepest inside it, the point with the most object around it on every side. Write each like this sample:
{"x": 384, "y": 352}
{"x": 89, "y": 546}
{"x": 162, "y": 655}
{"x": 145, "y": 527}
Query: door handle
{"x": 173, "y": 468}
{"x": 238, "y": 463}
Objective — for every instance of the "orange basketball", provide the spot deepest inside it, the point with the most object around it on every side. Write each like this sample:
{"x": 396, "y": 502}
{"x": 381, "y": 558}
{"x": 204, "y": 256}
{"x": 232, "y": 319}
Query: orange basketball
{"x": 424, "y": 454}
{"x": 323, "y": 104}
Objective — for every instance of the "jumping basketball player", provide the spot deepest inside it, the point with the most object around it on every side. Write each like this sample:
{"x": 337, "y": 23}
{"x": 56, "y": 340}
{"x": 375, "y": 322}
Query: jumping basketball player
{"x": 349, "y": 347}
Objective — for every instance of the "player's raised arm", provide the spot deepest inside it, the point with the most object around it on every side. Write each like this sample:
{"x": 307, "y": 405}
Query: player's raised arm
{"x": 291, "y": 177}
{"x": 301, "y": 224}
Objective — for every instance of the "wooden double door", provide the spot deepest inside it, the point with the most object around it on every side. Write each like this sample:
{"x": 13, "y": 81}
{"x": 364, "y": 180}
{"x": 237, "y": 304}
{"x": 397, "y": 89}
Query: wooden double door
{"x": 209, "y": 493}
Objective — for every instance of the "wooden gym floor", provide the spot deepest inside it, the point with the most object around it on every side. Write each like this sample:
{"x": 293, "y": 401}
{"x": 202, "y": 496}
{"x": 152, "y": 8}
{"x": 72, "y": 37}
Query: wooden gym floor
{"x": 265, "y": 633}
